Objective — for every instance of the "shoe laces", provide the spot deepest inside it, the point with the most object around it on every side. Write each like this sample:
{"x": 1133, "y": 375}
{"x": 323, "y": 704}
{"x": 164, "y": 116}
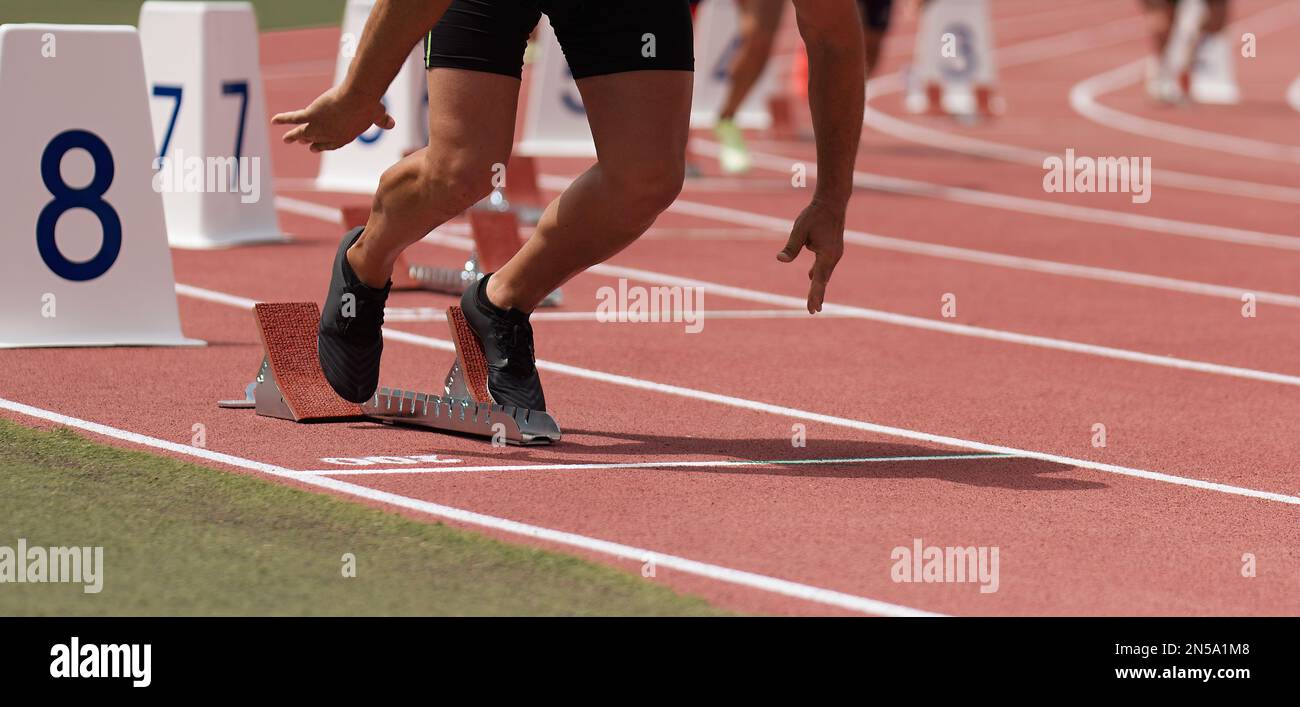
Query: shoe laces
{"x": 369, "y": 312}
{"x": 516, "y": 340}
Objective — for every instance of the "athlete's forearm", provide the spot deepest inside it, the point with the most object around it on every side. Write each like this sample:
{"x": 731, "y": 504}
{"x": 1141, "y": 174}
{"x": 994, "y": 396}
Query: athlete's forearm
{"x": 832, "y": 31}
{"x": 391, "y": 32}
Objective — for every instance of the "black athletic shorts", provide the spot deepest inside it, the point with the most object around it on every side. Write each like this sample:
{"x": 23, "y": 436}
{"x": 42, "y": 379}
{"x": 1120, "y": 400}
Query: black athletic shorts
{"x": 875, "y": 13}
{"x": 598, "y": 36}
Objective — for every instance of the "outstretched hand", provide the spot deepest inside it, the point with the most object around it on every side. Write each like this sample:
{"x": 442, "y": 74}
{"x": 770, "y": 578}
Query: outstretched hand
{"x": 333, "y": 120}
{"x": 820, "y": 229}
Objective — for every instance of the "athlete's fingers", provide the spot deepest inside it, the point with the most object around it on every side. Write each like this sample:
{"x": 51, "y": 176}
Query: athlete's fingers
{"x": 298, "y": 134}
{"x": 293, "y": 117}
{"x": 820, "y": 275}
{"x": 386, "y": 122}
{"x": 795, "y": 243}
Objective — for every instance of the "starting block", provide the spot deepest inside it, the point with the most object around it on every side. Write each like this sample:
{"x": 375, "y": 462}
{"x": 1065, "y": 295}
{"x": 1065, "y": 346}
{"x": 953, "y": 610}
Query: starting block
{"x": 791, "y": 118}
{"x": 1213, "y": 78}
{"x": 787, "y": 113}
{"x": 290, "y": 385}
{"x": 954, "y": 70}
{"x": 521, "y": 193}
{"x": 496, "y": 240}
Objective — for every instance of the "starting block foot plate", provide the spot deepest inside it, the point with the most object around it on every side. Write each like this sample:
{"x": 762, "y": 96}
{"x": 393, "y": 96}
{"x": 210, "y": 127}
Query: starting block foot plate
{"x": 469, "y": 375}
{"x": 290, "y": 384}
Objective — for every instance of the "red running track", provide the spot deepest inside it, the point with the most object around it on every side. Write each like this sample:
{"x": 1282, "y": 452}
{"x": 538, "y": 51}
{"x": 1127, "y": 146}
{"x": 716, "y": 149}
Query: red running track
{"x": 1072, "y": 310}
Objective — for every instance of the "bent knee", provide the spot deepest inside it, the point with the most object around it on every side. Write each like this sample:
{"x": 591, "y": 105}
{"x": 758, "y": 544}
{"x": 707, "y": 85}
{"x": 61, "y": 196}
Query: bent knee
{"x": 648, "y": 194}
{"x": 448, "y": 186}
{"x": 457, "y": 183}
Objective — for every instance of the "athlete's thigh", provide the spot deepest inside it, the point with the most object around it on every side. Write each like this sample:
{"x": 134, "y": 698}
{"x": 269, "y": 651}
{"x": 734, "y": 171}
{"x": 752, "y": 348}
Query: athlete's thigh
{"x": 633, "y": 61}
{"x": 639, "y": 119}
{"x": 471, "y": 113}
{"x": 474, "y": 57}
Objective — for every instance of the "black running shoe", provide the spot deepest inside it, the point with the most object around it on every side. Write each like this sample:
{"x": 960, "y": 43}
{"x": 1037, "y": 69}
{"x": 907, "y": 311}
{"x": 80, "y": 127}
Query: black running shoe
{"x": 350, "y": 339}
{"x": 507, "y": 340}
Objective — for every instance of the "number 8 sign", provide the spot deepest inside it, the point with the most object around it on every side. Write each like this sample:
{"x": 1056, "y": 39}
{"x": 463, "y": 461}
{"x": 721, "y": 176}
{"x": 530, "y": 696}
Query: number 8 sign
{"x": 93, "y": 248}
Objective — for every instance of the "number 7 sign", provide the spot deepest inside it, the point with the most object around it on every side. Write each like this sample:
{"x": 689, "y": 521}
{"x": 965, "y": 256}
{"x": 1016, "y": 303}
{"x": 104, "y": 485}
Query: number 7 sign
{"x": 213, "y": 151}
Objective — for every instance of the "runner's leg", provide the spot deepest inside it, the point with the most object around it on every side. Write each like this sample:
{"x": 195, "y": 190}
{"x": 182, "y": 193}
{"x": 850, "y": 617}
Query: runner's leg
{"x": 640, "y": 121}
{"x": 471, "y": 128}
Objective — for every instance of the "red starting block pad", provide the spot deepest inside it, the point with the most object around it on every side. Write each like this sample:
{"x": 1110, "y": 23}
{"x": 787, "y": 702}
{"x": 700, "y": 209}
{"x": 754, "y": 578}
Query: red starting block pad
{"x": 496, "y": 237}
{"x": 291, "y": 386}
{"x": 496, "y": 240}
{"x": 472, "y": 371}
{"x": 787, "y": 111}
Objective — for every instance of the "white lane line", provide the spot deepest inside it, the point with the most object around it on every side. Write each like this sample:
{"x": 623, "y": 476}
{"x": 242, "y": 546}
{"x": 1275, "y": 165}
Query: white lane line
{"x": 434, "y": 314}
{"x": 909, "y": 321}
{"x": 1083, "y": 98}
{"x": 214, "y": 296}
{"x": 796, "y": 413}
{"x": 1092, "y": 39}
{"x": 618, "y": 550}
{"x": 1051, "y": 267}
{"x": 1025, "y": 205}
{"x": 601, "y": 466}
{"x": 310, "y": 209}
{"x": 967, "y": 330}
{"x": 962, "y": 144}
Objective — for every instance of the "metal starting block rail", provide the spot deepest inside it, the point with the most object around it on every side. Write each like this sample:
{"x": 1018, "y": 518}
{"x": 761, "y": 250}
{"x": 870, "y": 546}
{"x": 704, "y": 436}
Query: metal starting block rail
{"x": 290, "y": 385}
{"x": 461, "y": 415}
{"x": 454, "y": 281}
{"x": 495, "y": 228}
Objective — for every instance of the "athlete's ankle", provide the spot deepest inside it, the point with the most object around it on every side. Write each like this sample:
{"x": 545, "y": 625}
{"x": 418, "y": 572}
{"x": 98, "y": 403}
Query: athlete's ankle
{"x": 369, "y": 269}
{"x": 504, "y": 295}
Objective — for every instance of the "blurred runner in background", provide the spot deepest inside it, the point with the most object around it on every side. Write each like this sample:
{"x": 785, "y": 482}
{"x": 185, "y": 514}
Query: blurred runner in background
{"x": 1169, "y": 70}
{"x": 759, "y": 22}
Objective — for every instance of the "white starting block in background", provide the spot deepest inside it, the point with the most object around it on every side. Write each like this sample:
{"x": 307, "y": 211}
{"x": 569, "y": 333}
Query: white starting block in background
{"x": 1214, "y": 75}
{"x": 717, "y": 37}
{"x": 85, "y": 246}
{"x": 555, "y": 122}
{"x": 357, "y": 167}
{"x": 954, "y": 69}
{"x": 209, "y": 116}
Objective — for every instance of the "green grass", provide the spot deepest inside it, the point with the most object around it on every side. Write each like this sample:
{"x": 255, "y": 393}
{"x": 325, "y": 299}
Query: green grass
{"x": 181, "y": 539}
{"x": 271, "y": 14}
